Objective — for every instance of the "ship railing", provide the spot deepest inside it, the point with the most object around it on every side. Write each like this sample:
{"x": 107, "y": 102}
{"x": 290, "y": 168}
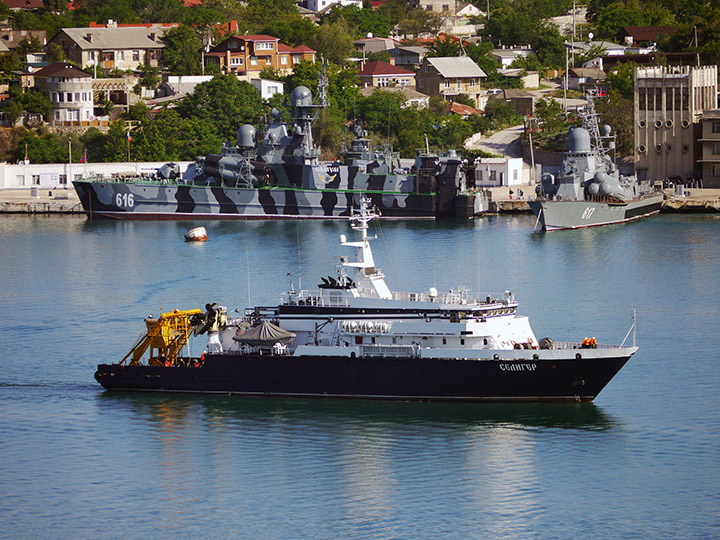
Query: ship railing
{"x": 577, "y": 345}
{"x": 313, "y": 298}
{"x": 460, "y": 297}
{"x": 407, "y": 351}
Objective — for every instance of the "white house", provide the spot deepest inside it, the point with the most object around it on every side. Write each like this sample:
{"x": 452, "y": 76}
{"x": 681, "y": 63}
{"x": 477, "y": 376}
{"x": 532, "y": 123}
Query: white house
{"x": 70, "y": 91}
{"x": 496, "y": 172}
{"x": 268, "y": 88}
{"x": 319, "y": 5}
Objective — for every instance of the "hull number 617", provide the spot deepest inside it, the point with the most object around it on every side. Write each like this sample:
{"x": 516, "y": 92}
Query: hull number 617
{"x": 588, "y": 212}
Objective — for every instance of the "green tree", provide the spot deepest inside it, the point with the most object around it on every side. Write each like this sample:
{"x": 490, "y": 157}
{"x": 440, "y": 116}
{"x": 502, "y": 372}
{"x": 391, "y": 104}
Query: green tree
{"x": 622, "y": 79}
{"x": 420, "y": 21}
{"x": 225, "y": 103}
{"x": 35, "y": 102}
{"x": 182, "y": 52}
{"x": 617, "y": 111}
{"x": 93, "y": 141}
{"x": 333, "y": 42}
{"x": 360, "y": 21}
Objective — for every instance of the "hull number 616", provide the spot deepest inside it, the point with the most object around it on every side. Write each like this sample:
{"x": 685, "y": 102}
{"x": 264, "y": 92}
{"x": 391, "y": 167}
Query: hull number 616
{"x": 125, "y": 200}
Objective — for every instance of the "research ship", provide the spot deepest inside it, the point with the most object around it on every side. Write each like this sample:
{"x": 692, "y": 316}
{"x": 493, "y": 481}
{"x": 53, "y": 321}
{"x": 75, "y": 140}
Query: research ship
{"x": 282, "y": 176}
{"x": 355, "y": 338}
{"x": 589, "y": 190}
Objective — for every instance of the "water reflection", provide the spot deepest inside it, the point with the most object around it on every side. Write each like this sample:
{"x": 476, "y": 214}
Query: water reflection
{"x": 177, "y": 409}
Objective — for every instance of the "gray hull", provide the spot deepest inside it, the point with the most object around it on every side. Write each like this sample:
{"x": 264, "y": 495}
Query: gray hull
{"x": 556, "y": 215}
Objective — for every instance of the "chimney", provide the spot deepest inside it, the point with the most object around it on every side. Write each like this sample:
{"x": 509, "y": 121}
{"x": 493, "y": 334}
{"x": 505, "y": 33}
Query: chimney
{"x": 111, "y": 24}
{"x": 153, "y": 36}
{"x": 391, "y": 61}
{"x": 89, "y": 37}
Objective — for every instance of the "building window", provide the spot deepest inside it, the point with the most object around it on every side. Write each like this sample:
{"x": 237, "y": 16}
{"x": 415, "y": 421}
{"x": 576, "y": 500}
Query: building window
{"x": 716, "y": 170}
{"x": 471, "y": 84}
{"x": 136, "y": 56}
{"x": 421, "y": 83}
{"x": 63, "y": 179}
{"x": 77, "y": 177}
{"x": 264, "y": 46}
{"x": 232, "y": 45}
{"x": 19, "y": 180}
{"x": 35, "y": 179}
{"x": 236, "y": 61}
{"x": 447, "y": 83}
{"x": 716, "y": 149}
{"x": 427, "y": 68}
{"x": 283, "y": 60}
{"x": 446, "y": 7}
{"x": 121, "y": 56}
{"x": 253, "y": 61}
{"x": 297, "y": 60}
{"x": 57, "y": 115}
{"x": 716, "y": 126}
{"x": 68, "y": 97}
{"x": 459, "y": 86}
{"x": 381, "y": 81}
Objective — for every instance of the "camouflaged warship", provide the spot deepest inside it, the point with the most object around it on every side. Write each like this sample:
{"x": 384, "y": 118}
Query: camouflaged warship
{"x": 589, "y": 191}
{"x": 283, "y": 177}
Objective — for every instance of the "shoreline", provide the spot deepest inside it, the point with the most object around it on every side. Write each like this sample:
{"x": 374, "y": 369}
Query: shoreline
{"x": 65, "y": 201}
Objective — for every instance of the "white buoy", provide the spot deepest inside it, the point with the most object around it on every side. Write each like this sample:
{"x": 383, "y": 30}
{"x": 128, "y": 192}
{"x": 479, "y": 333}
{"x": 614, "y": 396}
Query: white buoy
{"x": 198, "y": 234}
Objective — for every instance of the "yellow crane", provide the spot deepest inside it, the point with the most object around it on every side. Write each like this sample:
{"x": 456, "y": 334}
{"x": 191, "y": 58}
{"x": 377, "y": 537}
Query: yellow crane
{"x": 165, "y": 337}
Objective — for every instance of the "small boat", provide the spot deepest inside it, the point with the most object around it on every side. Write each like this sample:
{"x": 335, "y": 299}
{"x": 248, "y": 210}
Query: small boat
{"x": 355, "y": 338}
{"x": 198, "y": 234}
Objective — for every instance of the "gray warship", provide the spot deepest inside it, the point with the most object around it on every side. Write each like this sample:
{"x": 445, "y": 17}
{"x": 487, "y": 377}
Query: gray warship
{"x": 589, "y": 190}
{"x": 282, "y": 176}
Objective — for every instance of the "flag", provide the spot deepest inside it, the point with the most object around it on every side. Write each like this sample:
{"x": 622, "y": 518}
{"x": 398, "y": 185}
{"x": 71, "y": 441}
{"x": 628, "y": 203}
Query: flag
{"x": 129, "y": 138}
{"x": 83, "y": 159}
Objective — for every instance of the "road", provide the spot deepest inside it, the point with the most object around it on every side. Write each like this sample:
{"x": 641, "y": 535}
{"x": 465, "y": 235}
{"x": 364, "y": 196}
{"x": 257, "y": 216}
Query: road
{"x": 506, "y": 142}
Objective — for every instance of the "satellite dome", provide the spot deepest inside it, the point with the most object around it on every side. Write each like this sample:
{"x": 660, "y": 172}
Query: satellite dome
{"x": 301, "y": 97}
{"x": 579, "y": 140}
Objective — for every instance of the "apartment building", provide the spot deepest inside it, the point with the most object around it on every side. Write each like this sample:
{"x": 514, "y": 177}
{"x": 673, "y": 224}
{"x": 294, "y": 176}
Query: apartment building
{"x": 669, "y": 102}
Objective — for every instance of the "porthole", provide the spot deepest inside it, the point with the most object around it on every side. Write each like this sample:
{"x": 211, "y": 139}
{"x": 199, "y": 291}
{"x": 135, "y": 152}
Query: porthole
{"x": 685, "y": 148}
{"x": 685, "y": 123}
{"x": 642, "y": 123}
{"x": 642, "y": 149}
{"x": 658, "y": 123}
{"x": 668, "y": 124}
{"x": 668, "y": 147}
{"x": 658, "y": 147}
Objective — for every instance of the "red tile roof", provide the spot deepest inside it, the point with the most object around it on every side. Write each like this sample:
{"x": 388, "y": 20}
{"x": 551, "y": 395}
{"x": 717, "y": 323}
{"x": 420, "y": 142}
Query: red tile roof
{"x": 61, "y": 68}
{"x": 282, "y": 48}
{"x": 646, "y": 33}
{"x": 258, "y": 38}
{"x": 379, "y": 67}
{"x": 463, "y": 110}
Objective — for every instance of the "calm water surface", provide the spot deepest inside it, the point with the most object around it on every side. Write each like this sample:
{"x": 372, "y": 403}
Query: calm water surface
{"x": 76, "y": 462}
